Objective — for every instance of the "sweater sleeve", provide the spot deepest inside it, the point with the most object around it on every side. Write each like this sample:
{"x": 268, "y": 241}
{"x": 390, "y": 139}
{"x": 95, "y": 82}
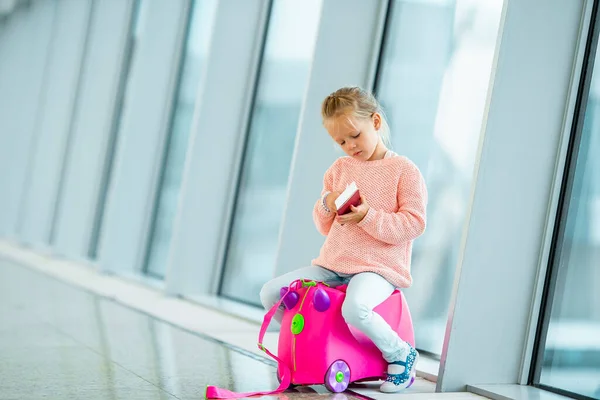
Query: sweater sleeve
{"x": 409, "y": 221}
{"x": 324, "y": 219}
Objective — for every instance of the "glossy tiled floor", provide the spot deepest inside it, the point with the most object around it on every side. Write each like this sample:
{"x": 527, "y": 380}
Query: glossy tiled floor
{"x": 59, "y": 341}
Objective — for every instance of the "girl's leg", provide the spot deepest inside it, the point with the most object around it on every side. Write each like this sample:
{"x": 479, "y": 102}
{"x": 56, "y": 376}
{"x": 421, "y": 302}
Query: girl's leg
{"x": 365, "y": 292}
{"x": 269, "y": 294}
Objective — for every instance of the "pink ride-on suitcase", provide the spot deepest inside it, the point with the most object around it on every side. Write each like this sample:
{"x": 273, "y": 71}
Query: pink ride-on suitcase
{"x": 317, "y": 346}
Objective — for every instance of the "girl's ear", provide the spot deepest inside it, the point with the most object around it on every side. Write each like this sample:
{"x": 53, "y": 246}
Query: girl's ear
{"x": 376, "y": 121}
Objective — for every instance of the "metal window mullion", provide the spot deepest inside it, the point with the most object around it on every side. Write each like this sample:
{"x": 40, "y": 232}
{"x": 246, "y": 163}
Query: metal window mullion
{"x": 220, "y": 119}
{"x": 166, "y": 146}
{"x": 234, "y": 190}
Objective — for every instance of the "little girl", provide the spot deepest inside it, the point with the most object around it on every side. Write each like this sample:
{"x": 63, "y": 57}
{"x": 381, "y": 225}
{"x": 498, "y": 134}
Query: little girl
{"x": 370, "y": 247}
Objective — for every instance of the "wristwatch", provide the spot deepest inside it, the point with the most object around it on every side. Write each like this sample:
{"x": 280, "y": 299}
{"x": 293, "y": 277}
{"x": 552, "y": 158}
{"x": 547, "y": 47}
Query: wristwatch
{"x": 324, "y": 203}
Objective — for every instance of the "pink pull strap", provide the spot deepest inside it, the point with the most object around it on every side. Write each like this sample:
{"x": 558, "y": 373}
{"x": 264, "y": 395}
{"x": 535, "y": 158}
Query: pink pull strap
{"x": 213, "y": 392}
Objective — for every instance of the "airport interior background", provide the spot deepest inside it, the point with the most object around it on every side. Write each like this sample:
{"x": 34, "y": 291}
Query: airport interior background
{"x": 160, "y": 159}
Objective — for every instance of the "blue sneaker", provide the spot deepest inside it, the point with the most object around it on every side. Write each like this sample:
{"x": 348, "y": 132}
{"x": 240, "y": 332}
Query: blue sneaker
{"x": 397, "y": 379}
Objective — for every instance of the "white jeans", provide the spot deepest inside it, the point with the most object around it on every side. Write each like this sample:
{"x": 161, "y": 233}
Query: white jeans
{"x": 365, "y": 292}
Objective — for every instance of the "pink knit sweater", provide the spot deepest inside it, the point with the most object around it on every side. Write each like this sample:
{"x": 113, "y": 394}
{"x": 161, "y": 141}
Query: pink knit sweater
{"x": 382, "y": 242}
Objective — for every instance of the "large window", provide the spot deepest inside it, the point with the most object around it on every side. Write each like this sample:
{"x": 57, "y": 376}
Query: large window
{"x": 284, "y": 71}
{"x": 195, "y": 57}
{"x": 433, "y": 82}
{"x": 569, "y": 357}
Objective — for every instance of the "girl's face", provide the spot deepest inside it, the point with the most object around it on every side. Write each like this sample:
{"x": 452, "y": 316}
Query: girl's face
{"x": 358, "y": 137}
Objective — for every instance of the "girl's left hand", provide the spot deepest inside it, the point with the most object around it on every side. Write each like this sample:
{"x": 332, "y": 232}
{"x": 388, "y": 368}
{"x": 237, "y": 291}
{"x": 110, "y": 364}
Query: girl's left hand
{"x": 357, "y": 214}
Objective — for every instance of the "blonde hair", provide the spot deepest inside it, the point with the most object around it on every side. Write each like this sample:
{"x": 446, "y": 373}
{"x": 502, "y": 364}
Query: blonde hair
{"x": 357, "y": 102}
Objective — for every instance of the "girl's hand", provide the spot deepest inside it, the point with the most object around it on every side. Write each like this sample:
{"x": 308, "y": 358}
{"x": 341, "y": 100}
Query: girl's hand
{"x": 357, "y": 214}
{"x": 330, "y": 201}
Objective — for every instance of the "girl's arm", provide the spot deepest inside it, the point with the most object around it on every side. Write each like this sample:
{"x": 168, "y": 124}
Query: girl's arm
{"x": 409, "y": 222}
{"x": 323, "y": 218}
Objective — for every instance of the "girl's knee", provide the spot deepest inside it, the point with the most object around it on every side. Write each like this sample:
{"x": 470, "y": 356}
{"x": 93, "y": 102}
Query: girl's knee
{"x": 356, "y": 313}
{"x": 269, "y": 294}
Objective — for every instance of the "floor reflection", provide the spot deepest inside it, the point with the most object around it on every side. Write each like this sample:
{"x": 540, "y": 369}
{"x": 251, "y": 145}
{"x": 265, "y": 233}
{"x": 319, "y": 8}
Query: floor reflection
{"x": 57, "y": 341}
